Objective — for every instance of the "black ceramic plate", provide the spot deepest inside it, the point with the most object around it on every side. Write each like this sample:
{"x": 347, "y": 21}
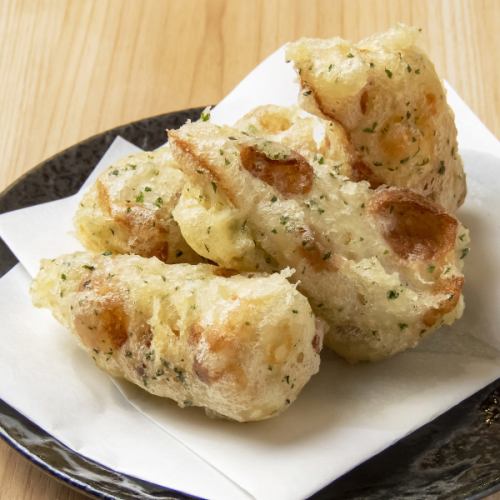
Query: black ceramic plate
{"x": 455, "y": 456}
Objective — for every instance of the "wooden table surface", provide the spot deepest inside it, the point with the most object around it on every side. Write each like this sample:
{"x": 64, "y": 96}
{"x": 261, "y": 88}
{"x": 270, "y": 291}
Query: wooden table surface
{"x": 72, "y": 68}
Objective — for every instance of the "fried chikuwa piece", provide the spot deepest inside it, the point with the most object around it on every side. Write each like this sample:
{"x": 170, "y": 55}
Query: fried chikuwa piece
{"x": 222, "y": 227}
{"x": 309, "y": 135}
{"x": 128, "y": 209}
{"x": 241, "y": 346}
{"x": 383, "y": 267}
{"x": 386, "y": 94}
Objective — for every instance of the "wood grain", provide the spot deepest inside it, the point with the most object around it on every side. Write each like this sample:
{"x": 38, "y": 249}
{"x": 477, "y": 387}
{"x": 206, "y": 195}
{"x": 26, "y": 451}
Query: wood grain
{"x": 70, "y": 69}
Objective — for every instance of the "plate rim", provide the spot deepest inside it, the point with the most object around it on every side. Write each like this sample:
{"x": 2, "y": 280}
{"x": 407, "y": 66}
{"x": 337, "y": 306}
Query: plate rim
{"x": 91, "y": 138}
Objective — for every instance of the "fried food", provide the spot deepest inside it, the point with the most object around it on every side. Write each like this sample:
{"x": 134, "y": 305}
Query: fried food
{"x": 240, "y": 346}
{"x": 385, "y": 92}
{"x": 128, "y": 209}
{"x": 311, "y": 136}
{"x": 221, "y": 232}
{"x": 223, "y": 236}
{"x": 383, "y": 267}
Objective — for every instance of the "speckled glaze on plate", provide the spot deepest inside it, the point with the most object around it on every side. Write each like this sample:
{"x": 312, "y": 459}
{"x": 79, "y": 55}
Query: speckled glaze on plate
{"x": 455, "y": 456}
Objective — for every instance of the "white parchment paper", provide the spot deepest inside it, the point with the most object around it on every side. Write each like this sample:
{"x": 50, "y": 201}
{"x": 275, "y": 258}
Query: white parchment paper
{"x": 345, "y": 415}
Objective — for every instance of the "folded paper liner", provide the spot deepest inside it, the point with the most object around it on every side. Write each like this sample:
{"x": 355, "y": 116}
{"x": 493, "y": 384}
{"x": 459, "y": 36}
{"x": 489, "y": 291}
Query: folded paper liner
{"x": 345, "y": 415}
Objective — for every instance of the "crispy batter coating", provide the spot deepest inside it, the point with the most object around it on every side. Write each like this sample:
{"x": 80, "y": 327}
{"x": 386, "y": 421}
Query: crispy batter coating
{"x": 386, "y": 93}
{"x": 241, "y": 346}
{"x": 383, "y": 267}
{"x": 128, "y": 209}
{"x": 309, "y": 135}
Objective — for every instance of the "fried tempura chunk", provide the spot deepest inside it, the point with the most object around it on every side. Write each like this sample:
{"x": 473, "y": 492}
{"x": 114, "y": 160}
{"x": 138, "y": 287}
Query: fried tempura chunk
{"x": 128, "y": 209}
{"x": 383, "y": 267}
{"x": 240, "y": 346}
{"x": 311, "y": 136}
{"x": 385, "y": 92}
{"x": 224, "y": 228}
